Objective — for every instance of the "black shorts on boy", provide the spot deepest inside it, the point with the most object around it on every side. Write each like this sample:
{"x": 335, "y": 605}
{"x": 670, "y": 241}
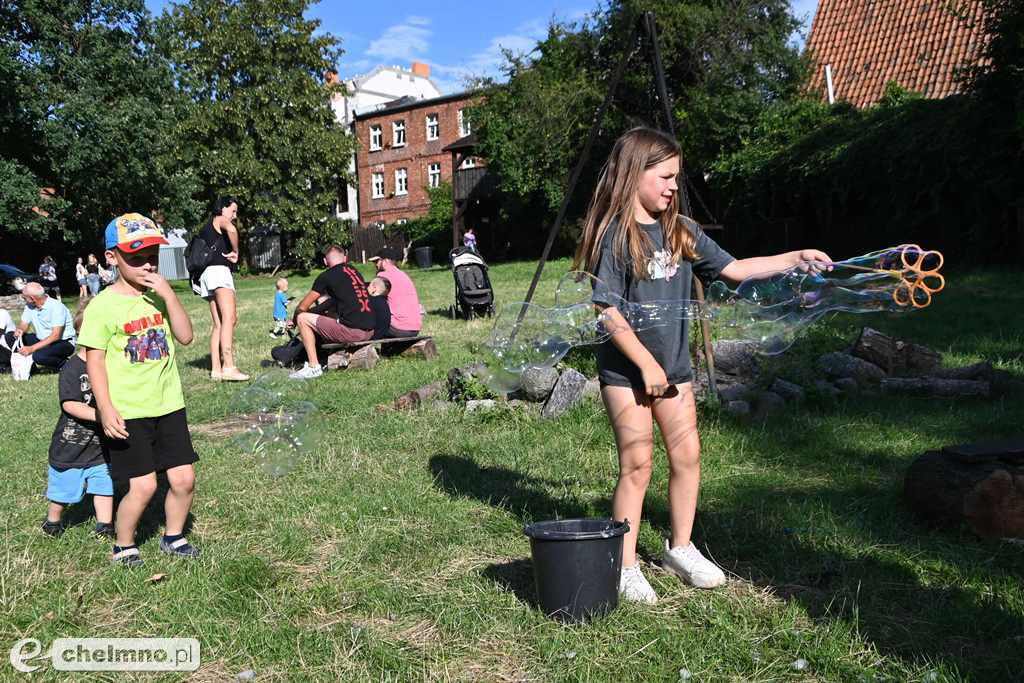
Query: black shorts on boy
{"x": 154, "y": 444}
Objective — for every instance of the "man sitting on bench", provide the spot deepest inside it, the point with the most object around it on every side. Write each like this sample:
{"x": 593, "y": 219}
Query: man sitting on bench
{"x": 355, "y": 319}
{"x": 404, "y": 302}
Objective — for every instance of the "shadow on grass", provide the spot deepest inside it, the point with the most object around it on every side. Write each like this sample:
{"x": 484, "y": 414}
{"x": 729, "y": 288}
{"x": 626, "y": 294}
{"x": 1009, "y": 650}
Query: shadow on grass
{"x": 861, "y": 557}
{"x": 521, "y": 494}
{"x": 153, "y": 518}
{"x": 516, "y": 577}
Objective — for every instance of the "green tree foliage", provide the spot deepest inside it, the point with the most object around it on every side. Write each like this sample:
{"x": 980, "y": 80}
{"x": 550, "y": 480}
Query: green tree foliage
{"x": 437, "y": 221}
{"x": 945, "y": 173}
{"x": 87, "y": 109}
{"x": 723, "y": 63}
{"x": 259, "y": 123}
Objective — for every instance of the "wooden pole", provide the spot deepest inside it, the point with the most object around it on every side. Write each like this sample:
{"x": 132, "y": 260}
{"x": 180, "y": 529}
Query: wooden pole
{"x": 684, "y": 199}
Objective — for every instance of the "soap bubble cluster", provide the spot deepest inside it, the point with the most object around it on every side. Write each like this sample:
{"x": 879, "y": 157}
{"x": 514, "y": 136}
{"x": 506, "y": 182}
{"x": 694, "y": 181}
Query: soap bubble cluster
{"x": 770, "y": 311}
{"x": 282, "y": 428}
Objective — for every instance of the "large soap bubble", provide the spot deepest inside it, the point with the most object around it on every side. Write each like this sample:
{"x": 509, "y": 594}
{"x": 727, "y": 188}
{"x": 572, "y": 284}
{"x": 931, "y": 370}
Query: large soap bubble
{"x": 283, "y": 428}
{"x": 770, "y": 311}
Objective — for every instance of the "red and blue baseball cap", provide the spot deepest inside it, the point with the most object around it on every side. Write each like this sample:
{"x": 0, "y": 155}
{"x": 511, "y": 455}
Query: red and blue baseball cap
{"x": 133, "y": 231}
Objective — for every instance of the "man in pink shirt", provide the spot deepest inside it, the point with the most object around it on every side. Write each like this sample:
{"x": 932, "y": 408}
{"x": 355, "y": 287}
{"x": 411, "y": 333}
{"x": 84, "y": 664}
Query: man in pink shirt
{"x": 404, "y": 302}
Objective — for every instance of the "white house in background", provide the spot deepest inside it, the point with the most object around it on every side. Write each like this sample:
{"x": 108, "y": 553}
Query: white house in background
{"x": 365, "y": 93}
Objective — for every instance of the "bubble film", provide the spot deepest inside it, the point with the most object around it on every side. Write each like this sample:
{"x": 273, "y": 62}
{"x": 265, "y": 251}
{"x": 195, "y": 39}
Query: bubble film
{"x": 283, "y": 428}
{"x": 770, "y": 311}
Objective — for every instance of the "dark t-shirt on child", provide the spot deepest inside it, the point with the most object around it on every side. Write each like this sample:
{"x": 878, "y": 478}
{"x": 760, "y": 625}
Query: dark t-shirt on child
{"x": 75, "y": 443}
{"x": 666, "y": 282}
{"x": 382, "y": 316}
{"x": 346, "y": 286}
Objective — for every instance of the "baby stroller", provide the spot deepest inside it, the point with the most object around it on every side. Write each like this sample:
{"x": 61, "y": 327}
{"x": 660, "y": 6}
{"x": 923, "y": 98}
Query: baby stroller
{"x": 473, "y": 293}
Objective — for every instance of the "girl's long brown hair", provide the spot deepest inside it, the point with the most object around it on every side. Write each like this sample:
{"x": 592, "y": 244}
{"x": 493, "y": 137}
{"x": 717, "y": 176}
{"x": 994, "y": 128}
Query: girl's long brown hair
{"x": 636, "y": 151}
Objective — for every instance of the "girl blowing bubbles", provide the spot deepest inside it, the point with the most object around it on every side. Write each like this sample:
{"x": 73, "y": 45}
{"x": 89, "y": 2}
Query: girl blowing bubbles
{"x": 635, "y": 241}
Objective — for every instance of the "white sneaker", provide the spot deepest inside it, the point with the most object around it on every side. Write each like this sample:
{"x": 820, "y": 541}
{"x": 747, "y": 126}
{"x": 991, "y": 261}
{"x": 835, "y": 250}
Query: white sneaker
{"x": 691, "y": 566}
{"x": 634, "y": 587}
{"x": 307, "y": 372}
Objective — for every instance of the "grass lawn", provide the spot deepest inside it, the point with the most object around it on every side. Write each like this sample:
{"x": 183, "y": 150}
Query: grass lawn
{"x": 395, "y": 551}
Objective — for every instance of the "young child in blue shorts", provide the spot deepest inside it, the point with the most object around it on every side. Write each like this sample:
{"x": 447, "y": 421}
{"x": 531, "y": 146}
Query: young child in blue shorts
{"x": 77, "y": 466}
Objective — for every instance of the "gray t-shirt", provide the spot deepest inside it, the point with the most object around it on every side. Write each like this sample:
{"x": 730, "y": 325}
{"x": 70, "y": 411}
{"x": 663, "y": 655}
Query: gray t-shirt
{"x": 666, "y": 282}
{"x": 75, "y": 443}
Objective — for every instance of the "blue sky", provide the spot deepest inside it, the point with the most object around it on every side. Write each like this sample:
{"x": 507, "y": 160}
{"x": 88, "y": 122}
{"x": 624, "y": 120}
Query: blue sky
{"x": 458, "y": 38}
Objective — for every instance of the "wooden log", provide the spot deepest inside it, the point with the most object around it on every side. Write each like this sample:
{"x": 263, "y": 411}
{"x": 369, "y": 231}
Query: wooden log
{"x": 894, "y": 356}
{"x": 363, "y": 358}
{"x": 978, "y": 371}
{"x": 416, "y": 397}
{"x": 935, "y": 387}
{"x": 425, "y": 349}
{"x": 981, "y": 485}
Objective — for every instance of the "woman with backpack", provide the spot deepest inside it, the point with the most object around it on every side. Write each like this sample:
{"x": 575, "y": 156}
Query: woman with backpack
{"x": 216, "y": 284}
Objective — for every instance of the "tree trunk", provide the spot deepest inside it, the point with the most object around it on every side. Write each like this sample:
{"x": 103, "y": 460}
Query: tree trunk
{"x": 934, "y": 387}
{"x": 894, "y": 356}
{"x": 982, "y": 485}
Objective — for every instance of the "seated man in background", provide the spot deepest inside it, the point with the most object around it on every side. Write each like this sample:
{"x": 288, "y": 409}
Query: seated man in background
{"x": 352, "y": 319}
{"x": 53, "y": 338}
{"x": 404, "y": 302}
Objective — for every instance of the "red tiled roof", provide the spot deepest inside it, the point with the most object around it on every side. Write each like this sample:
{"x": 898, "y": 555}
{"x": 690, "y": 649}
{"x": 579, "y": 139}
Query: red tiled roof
{"x": 918, "y": 43}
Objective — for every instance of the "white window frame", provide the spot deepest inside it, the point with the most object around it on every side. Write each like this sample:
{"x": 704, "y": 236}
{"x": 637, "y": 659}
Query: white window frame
{"x": 433, "y": 125}
{"x": 398, "y": 127}
{"x": 465, "y": 127}
{"x": 376, "y": 138}
{"x": 434, "y": 174}
{"x": 468, "y": 162}
{"x": 377, "y": 188}
{"x": 401, "y": 181}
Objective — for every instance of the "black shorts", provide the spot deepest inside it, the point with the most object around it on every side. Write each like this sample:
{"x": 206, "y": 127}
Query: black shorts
{"x": 154, "y": 444}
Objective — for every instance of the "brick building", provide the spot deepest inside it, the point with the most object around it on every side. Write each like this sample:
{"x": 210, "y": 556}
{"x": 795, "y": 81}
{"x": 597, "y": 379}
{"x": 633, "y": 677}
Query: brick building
{"x": 401, "y": 153}
{"x": 857, "y": 47}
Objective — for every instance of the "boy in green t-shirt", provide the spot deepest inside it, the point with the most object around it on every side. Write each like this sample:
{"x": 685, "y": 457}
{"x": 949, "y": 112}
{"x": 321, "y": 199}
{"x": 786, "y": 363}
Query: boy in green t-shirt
{"x": 127, "y": 333}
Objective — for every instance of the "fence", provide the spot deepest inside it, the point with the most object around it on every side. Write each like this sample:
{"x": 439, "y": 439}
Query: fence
{"x": 264, "y": 250}
{"x": 367, "y": 240}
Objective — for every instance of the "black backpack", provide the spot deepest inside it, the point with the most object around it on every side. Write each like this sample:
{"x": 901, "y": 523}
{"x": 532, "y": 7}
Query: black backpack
{"x": 289, "y": 353}
{"x": 198, "y": 255}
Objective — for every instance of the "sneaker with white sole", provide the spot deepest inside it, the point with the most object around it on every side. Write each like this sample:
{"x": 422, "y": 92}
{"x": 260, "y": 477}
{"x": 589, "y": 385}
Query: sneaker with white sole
{"x": 634, "y": 587}
{"x": 692, "y": 567}
{"x": 307, "y": 372}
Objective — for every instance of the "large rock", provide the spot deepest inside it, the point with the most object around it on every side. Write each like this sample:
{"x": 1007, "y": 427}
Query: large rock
{"x": 829, "y": 390}
{"x": 838, "y": 364}
{"x": 737, "y": 408}
{"x": 593, "y": 389}
{"x": 768, "y": 403}
{"x": 733, "y": 392}
{"x": 482, "y": 404}
{"x": 788, "y": 390}
{"x": 537, "y": 383}
{"x": 735, "y": 357}
{"x": 847, "y": 385}
{"x": 568, "y": 391}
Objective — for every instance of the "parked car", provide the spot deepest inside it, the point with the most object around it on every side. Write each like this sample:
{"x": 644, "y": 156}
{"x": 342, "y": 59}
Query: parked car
{"x": 13, "y": 279}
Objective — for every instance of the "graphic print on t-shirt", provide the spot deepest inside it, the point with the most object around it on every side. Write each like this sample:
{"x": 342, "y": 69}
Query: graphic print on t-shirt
{"x": 145, "y": 340}
{"x": 661, "y": 265}
{"x": 359, "y": 287}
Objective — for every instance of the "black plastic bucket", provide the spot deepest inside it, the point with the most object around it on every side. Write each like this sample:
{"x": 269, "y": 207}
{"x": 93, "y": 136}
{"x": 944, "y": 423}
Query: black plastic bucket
{"x": 576, "y": 565}
{"x": 424, "y": 256}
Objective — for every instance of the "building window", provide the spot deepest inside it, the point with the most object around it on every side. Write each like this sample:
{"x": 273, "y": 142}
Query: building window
{"x": 378, "y": 185}
{"x": 434, "y": 175}
{"x": 341, "y": 205}
{"x": 401, "y": 181}
{"x": 464, "y": 127}
{"x": 468, "y": 162}
{"x": 376, "y": 138}
{"x": 433, "y": 128}
{"x": 398, "y": 134}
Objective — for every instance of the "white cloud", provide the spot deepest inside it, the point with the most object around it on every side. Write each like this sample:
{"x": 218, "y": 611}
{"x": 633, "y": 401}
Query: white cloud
{"x": 487, "y": 62}
{"x": 403, "y": 42}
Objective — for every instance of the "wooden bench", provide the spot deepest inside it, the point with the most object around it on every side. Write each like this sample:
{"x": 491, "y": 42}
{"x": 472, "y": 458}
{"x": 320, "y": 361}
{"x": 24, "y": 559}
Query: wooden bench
{"x": 364, "y": 355}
